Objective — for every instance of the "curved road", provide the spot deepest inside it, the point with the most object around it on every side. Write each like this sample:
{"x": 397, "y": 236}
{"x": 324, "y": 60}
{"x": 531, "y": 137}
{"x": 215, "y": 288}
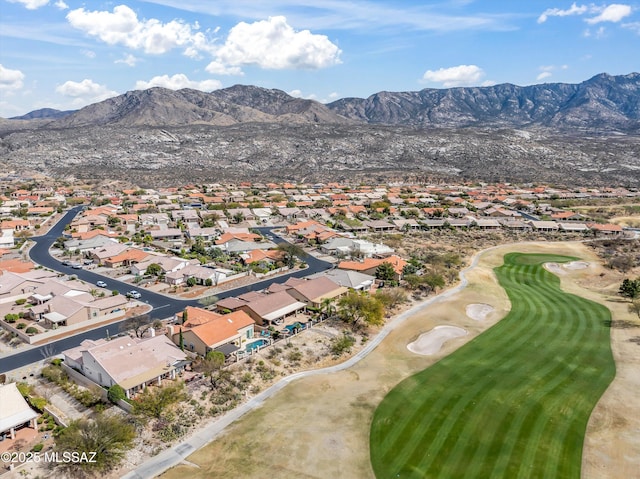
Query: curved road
{"x": 163, "y": 306}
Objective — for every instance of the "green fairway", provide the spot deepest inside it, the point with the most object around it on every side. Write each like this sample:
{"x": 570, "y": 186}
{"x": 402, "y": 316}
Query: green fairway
{"x": 512, "y": 403}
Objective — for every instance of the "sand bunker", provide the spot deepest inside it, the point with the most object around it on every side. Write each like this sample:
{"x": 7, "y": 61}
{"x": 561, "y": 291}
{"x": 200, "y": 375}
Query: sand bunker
{"x": 576, "y": 265}
{"x": 431, "y": 342}
{"x": 479, "y": 312}
{"x": 562, "y": 269}
{"x": 554, "y": 268}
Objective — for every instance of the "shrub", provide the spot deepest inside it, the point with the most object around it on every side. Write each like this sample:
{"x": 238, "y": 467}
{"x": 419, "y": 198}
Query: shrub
{"x": 11, "y": 318}
{"x": 21, "y": 301}
{"x": 56, "y": 362}
{"x": 38, "y": 447}
{"x": 38, "y": 403}
{"x": 116, "y": 393}
{"x": 54, "y": 374}
{"x": 24, "y": 389}
{"x": 31, "y": 330}
{"x": 21, "y": 325}
{"x": 342, "y": 344}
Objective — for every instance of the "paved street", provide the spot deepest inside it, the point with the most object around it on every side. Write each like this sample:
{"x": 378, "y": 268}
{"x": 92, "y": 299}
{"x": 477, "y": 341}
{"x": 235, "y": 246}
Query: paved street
{"x": 163, "y": 306}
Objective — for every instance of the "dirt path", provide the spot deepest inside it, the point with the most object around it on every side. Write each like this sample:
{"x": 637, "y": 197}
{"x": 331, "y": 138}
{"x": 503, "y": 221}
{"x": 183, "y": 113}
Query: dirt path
{"x": 319, "y": 426}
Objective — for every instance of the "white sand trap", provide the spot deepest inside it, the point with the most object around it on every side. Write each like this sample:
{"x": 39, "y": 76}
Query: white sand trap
{"x": 431, "y": 342}
{"x": 479, "y": 312}
{"x": 554, "y": 268}
{"x": 576, "y": 265}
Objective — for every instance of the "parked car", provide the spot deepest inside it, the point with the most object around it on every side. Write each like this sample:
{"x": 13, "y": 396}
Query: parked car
{"x": 66, "y": 262}
{"x": 76, "y": 265}
{"x": 101, "y": 284}
{"x": 134, "y": 294}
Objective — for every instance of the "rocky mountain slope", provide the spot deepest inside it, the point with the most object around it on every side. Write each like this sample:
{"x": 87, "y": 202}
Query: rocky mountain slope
{"x": 603, "y": 102}
{"x": 44, "y": 114}
{"x": 586, "y": 134}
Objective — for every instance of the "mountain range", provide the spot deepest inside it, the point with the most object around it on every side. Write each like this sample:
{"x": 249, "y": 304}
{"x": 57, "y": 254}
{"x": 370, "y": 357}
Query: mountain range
{"x": 538, "y": 132}
{"x": 602, "y": 102}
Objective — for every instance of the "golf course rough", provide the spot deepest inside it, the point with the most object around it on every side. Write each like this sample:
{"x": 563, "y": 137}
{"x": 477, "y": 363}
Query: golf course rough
{"x": 512, "y": 403}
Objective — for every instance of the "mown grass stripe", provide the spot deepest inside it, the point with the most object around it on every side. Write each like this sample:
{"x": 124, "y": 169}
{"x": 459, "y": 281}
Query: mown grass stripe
{"x": 506, "y": 344}
{"x": 489, "y": 409}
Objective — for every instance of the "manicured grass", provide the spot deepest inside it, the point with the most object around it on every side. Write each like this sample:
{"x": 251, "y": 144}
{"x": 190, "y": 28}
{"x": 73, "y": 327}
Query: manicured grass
{"x": 514, "y": 402}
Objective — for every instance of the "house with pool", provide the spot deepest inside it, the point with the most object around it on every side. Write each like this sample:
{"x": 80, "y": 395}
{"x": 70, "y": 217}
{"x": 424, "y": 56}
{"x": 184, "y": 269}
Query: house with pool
{"x": 205, "y": 331}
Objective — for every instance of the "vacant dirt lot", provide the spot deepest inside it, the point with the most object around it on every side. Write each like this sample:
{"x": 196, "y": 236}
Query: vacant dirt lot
{"x": 318, "y": 427}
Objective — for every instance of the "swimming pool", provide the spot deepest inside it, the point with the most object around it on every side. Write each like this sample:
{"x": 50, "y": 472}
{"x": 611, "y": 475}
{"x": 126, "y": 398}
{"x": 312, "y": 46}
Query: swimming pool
{"x": 256, "y": 344}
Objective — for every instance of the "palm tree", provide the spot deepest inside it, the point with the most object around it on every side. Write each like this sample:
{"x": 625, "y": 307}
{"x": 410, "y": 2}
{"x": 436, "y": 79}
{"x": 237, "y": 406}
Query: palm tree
{"x": 328, "y": 307}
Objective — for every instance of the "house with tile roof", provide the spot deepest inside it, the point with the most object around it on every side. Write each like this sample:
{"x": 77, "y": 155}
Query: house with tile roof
{"x": 132, "y": 363}
{"x": 207, "y": 331}
{"x": 369, "y": 265}
{"x": 264, "y": 308}
{"x": 314, "y": 291}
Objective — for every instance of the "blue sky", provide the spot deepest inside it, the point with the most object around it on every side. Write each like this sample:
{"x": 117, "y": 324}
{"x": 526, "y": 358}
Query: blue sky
{"x": 66, "y": 54}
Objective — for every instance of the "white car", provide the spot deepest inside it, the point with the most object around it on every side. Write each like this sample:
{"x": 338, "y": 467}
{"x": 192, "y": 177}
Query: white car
{"x": 101, "y": 284}
{"x": 134, "y": 294}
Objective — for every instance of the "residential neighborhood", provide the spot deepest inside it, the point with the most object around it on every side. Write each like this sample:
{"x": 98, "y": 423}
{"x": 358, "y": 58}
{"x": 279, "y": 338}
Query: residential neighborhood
{"x": 249, "y": 271}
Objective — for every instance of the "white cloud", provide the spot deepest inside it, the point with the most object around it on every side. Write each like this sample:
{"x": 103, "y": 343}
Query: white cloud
{"x": 31, "y": 4}
{"x": 84, "y": 88}
{"x": 129, "y": 59}
{"x": 177, "y": 82}
{"x": 312, "y": 96}
{"x": 10, "y": 79}
{"x": 274, "y": 44}
{"x": 84, "y": 92}
{"x": 633, "y": 26}
{"x": 89, "y": 53}
{"x": 546, "y": 70}
{"x": 61, "y": 5}
{"x": 361, "y": 15}
{"x": 601, "y": 32}
{"x": 612, "y": 13}
{"x": 557, "y": 12}
{"x": 462, "y": 75}
{"x": 122, "y": 27}
{"x": 217, "y": 68}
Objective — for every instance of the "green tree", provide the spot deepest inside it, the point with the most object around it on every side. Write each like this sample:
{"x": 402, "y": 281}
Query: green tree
{"x": 154, "y": 401}
{"x": 191, "y": 281}
{"x": 109, "y": 437}
{"x": 185, "y": 316}
{"x": 360, "y": 308}
{"x": 291, "y": 251}
{"x": 212, "y": 366}
{"x": 391, "y": 297}
{"x": 385, "y": 272}
{"x": 328, "y": 307}
{"x": 634, "y": 307}
{"x": 630, "y": 288}
{"x": 116, "y": 393}
{"x": 137, "y": 324}
{"x": 181, "y": 340}
{"x": 434, "y": 280}
{"x": 154, "y": 269}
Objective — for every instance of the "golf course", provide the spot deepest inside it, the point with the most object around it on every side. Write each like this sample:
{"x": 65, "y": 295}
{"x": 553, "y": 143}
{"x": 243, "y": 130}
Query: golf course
{"x": 514, "y": 402}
